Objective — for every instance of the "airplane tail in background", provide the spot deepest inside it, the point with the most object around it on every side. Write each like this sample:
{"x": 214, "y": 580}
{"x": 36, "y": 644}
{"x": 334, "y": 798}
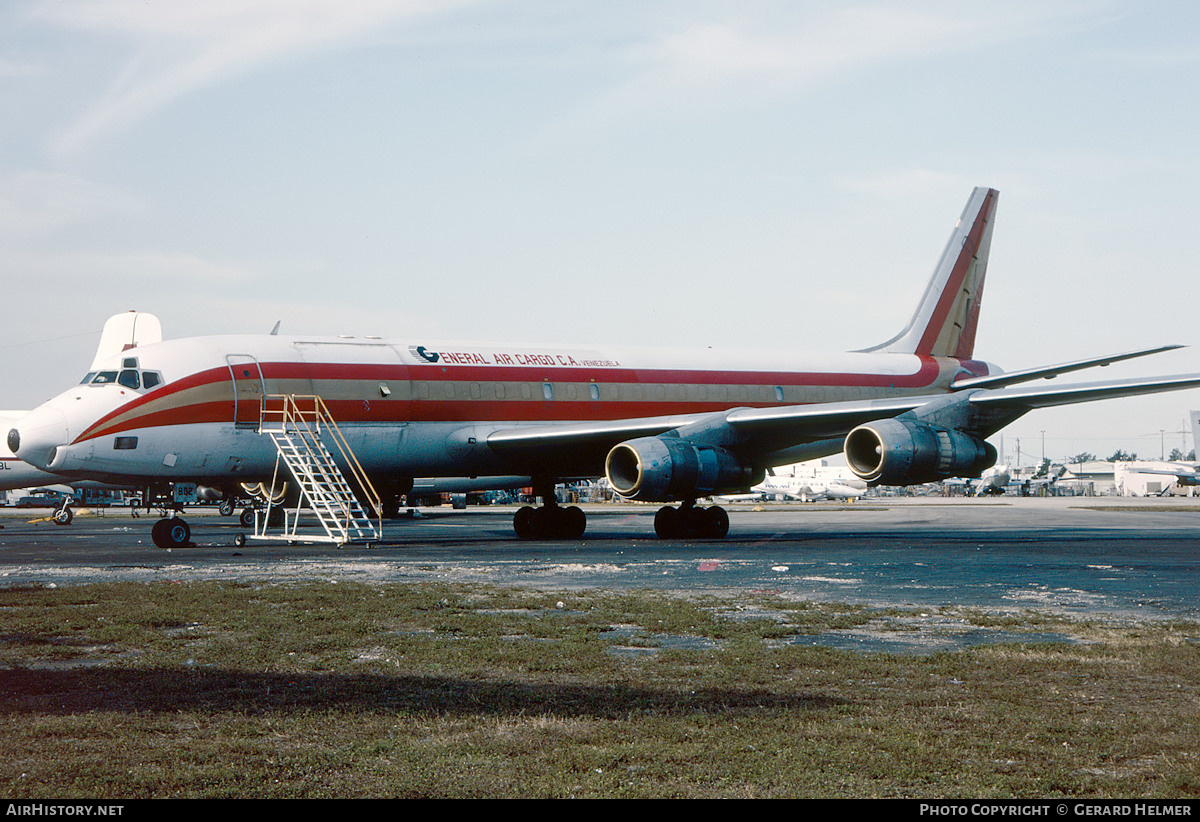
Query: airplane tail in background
{"x": 945, "y": 322}
{"x": 125, "y": 331}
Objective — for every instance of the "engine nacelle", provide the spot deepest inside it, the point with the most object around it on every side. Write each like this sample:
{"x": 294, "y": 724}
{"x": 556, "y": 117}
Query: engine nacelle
{"x": 906, "y": 452}
{"x": 666, "y": 469}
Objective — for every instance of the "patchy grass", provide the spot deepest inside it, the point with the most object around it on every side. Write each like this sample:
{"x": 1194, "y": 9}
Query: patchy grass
{"x": 338, "y": 689}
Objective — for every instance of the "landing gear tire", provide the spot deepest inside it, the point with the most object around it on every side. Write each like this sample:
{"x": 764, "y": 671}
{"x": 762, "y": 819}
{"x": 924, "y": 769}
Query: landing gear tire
{"x": 171, "y": 533}
{"x": 666, "y": 523}
{"x": 523, "y": 522}
{"x": 226, "y": 507}
{"x": 550, "y": 522}
{"x": 63, "y": 517}
{"x": 718, "y": 522}
{"x": 688, "y": 522}
{"x": 247, "y": 518}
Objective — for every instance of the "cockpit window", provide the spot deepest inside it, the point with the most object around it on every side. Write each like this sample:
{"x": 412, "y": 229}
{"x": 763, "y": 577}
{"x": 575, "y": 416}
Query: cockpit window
{"x": 129, "y": 362}
{"x": 128, "y": 377}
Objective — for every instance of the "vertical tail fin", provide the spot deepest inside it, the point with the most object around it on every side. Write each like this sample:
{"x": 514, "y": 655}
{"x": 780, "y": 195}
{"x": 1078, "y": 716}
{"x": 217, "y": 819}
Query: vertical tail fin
{"x": 944, "y": 323}
{"x": 125, "y": 331}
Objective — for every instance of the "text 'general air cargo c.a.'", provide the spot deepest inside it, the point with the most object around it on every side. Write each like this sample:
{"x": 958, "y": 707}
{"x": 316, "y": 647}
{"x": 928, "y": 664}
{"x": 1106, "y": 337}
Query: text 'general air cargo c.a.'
{"x": 666, "y": 425}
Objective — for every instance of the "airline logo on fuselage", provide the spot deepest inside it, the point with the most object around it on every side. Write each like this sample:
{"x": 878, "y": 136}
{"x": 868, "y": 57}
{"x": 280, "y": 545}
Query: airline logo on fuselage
{"x": 422, "y": 354}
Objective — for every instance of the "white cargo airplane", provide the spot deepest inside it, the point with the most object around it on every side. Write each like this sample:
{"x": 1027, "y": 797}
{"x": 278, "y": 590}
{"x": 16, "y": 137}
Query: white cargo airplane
{"x": 121, "y": 332}
{"x": 661, "y": 425}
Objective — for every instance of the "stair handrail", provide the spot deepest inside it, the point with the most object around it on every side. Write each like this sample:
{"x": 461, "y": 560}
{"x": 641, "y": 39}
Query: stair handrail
{"x": 291, "y": 413}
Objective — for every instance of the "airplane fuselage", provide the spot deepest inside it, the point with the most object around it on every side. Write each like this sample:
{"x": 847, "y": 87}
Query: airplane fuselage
{"x": 412, "y": 409}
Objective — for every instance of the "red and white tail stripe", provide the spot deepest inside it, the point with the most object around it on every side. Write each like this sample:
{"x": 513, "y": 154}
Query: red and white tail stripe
{"x": 945, "y": 322}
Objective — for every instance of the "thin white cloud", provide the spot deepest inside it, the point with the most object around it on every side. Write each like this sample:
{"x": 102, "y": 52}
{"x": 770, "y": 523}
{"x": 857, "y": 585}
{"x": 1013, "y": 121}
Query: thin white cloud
{"x": 34, "y": 204}
{"x": 810, "y": 48}
{"x": 728, "y": 59}
{"x": 179, "y": 48}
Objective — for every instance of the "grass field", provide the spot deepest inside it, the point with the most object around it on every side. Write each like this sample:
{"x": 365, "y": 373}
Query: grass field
{"x": 330, "y": 689}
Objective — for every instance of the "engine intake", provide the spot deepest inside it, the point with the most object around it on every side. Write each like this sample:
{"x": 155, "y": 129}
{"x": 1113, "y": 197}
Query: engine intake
{"x": 666, "y": 469}
{"x": 903, "y": 452}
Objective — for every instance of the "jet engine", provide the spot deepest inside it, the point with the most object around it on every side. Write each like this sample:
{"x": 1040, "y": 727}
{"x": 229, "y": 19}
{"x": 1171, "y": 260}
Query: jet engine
{"x": 666, "y": 469}
{"x": 909, "y": 452}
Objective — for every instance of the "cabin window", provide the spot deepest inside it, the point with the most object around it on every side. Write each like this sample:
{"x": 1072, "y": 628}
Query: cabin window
{"x": 778, "y": 393}
{"x": 130, "y": 379}
{"x": 547, "y": 391}
{"x": 594, "y": 391}
{"x": 499, "y": 390}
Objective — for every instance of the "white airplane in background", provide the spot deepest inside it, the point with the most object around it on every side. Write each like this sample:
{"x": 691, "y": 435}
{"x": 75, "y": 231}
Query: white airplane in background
{"x": 993, "y": 481}
{"x": 662, "y": 425}
{"x": 121, "y": 332}
{"x": 804, "y": 482}
{"x": 15, "y": 473}
{"x": 804, "y": 489}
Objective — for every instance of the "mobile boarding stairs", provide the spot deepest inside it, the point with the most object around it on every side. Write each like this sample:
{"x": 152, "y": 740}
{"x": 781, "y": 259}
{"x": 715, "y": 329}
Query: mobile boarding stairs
{"x": 302, "y": 430}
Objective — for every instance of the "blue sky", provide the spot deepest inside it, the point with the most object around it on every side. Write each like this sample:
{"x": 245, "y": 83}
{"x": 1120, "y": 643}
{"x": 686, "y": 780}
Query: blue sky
{"x": 750, "y": 174}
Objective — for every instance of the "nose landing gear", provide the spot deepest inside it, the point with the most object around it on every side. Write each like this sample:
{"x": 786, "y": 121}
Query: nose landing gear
{"x": 171, "y": 532}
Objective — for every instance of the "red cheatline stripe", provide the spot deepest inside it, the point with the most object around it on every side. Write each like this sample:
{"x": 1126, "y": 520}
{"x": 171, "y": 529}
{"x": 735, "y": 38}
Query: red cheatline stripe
{"x": 170, "y": 406}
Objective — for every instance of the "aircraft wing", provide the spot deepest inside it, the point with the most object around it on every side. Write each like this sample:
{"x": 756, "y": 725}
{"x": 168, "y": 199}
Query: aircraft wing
{"x": 1030, "y": 397}
{"x": 1047, "y": 372}
{"x": 583, "y": 445}
{"x": 1181, "y": 471}
{"x": 788, "y": 425}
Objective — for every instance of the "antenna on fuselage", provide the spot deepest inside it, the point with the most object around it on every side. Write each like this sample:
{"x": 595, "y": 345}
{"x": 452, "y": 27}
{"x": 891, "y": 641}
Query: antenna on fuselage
{"x": 275, "y": 330}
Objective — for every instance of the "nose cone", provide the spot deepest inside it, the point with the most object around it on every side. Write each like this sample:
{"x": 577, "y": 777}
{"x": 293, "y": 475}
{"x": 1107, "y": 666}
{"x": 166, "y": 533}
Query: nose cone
{"x": 38, "y": 435}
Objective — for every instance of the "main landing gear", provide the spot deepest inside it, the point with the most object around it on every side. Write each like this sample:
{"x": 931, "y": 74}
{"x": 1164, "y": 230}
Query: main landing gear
{"x": 689, "y": 522}
{"x": 549, "y": 520}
